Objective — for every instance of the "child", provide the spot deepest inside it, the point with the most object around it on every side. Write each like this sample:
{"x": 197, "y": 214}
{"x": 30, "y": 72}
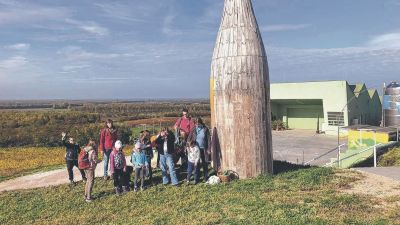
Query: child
{"x": 193, "y": 162}
{"x": 71, "y": 157}
{"x": 91, "y": 150}
{"x": 140, "y": 164}
{"x": 148, "y": 150}
{"x": 117, "y": 166}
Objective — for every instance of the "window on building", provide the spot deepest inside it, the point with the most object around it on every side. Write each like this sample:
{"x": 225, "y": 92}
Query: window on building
{"x": 336, "y": 118}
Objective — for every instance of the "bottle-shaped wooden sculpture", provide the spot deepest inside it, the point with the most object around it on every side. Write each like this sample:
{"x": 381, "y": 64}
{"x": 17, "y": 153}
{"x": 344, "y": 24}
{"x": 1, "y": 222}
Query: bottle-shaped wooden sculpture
{"x": 240, "y": 93}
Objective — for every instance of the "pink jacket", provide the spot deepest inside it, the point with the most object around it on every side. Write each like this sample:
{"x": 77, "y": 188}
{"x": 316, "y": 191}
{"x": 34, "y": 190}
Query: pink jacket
{"x": 112, "y": 163}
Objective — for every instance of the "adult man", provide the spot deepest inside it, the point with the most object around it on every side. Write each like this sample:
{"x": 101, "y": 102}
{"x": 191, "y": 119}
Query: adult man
{"x": 183, "y": 127}
{"x": 165, "y": 146}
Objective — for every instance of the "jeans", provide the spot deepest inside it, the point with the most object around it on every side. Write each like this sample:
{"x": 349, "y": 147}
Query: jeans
{"x": 70, "y": 166}
{"x": 106, "y": 159}
{"x": 204, "y": 163}
{"x": 191, "y": 167}
{"x": 89, "y": 183}
{"x": 167, "y": 160}
{"x": 139, "y": 174}
{"x": 118, "y": 178}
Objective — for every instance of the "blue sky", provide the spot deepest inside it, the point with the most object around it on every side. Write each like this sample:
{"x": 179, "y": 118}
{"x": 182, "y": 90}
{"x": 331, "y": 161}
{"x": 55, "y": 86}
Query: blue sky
{"x": 115, "y": 49}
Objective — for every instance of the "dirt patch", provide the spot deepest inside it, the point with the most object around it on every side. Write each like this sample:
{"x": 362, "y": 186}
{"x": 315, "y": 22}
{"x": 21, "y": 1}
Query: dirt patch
{"x": 374, "y": 185}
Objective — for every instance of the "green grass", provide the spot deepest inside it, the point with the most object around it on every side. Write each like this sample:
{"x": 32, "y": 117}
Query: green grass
{"x": 20, "y": 161}
{"x": 390, "y": 158}
{"x": 304, "y": 196}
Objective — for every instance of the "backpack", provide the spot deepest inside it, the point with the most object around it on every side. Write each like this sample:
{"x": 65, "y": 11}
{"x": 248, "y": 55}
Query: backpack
{"x": 83, "y": 160}
{"x": 119, "y": 160}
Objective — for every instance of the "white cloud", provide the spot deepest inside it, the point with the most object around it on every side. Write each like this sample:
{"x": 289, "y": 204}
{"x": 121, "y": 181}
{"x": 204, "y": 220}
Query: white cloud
{"x": 120, "y": 11}
{"x": 388, "y": 40}
{"x": 355, "y": 64}
{"x": 77, "y": 53}
{"x": 13, "y": 63}
{"x": 90, "y": 27}
{"x": 18, "y": 46}
{"x": 284, "y": 27}
{"x": 74, "y": 68}
{"x": 168, "y": 26}
{"x": 13, "y": 12}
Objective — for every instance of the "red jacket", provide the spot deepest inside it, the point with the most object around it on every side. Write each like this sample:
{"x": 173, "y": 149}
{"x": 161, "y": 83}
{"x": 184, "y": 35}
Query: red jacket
{"x": 108, "y": 137}
{"x": 185, "y": 124}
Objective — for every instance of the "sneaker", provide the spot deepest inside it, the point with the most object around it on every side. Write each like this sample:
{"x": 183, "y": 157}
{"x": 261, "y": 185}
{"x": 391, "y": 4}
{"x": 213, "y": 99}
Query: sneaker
{"x": 88, "y": 199}
{"x": 71, "y": 182}
{"x": 125, "y": 189}
{"x": 142, "y": 188}
{"x": 136, "y": 189}
{"x": 117, "y": 191}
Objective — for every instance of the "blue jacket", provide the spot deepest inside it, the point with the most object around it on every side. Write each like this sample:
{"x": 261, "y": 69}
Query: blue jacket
{"x": 139, "y": 159}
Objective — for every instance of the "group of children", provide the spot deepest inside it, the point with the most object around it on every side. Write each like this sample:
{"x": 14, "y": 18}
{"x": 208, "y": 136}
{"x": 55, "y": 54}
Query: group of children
{"x": 142, "y": 154}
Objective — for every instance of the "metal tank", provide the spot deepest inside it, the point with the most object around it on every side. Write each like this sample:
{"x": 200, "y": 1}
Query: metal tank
{"x": 391, "y": 105}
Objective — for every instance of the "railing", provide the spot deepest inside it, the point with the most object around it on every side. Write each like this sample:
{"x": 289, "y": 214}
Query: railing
{"x": 338, "y": 148}
{"x": 338, "y": 161}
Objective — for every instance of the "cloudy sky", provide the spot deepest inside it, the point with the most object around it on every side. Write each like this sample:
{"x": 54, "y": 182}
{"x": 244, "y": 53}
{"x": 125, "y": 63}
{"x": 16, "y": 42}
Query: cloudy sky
{"x": 125, "y": 49}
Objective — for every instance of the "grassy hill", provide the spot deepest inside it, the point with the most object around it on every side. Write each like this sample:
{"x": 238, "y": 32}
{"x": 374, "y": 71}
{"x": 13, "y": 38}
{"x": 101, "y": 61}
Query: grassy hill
{"x": 304, "y": 196}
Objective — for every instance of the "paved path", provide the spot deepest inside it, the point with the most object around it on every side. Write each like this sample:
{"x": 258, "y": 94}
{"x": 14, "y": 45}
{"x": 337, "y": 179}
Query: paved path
{"x": 297, "y": 145}
{"x": 390, "y": 172}
{"x": 45, "y": 179}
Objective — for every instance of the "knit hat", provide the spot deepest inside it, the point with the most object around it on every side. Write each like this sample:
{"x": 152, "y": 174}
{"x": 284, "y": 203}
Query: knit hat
{"x": 138, "y": 145}
{"x": 118, "y": 145}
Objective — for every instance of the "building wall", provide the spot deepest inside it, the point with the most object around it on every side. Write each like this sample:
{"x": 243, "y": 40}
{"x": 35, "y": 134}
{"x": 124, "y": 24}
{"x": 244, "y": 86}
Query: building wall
{"x": 376, "y": 109}
{"x": 332, "y": 94}
{"x": 314, "y": 98}
{"x": 363, "y": 108}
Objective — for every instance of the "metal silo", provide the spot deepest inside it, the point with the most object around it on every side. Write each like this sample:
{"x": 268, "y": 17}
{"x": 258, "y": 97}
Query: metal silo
{"x": 391, "y": 105}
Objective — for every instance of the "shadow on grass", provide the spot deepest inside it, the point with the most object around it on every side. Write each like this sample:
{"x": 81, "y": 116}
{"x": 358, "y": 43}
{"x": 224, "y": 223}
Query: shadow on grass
{"x": 283, "y": 167}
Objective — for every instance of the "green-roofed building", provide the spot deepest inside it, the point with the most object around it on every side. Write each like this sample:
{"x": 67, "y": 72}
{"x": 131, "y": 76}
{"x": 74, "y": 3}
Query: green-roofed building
{"x": 325, "y": 106}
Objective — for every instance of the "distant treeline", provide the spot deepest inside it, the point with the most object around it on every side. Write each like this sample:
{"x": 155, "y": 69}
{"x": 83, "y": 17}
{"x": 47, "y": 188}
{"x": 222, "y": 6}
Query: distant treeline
{"x": 43, "y": 127}
{"x": 144, "y": 110}
{"x": 61, "y": 105}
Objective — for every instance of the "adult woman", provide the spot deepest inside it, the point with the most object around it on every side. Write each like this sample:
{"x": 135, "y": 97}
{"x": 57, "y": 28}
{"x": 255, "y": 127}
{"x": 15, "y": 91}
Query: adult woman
{"x": 108, "y": 137}
{"x": 200, "y": 134}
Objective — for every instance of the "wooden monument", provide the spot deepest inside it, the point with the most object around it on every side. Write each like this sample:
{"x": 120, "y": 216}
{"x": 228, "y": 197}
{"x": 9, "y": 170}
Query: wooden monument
{"x": 240, "y": 93}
